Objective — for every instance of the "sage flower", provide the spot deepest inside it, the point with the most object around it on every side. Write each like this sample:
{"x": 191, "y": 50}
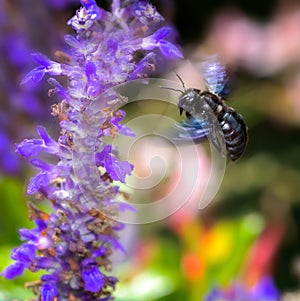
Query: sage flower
{"x": 73, "y": 242}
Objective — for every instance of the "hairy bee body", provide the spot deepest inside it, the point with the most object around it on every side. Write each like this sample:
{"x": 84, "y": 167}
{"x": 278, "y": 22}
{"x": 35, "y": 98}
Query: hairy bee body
{"x": 196, "y": 103}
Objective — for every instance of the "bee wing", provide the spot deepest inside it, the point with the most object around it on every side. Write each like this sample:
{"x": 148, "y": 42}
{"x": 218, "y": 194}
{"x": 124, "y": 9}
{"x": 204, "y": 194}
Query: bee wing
{"x": 215, "y": 75}
{"x": 190, "y": 131}
{"x": 196, "y": 130}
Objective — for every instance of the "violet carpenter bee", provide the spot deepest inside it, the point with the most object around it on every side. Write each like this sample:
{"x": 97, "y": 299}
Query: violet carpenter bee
{"x": 198, "y": 106}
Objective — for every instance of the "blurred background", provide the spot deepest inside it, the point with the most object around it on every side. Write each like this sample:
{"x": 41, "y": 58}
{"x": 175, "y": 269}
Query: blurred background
{"x": 246, "y": 244}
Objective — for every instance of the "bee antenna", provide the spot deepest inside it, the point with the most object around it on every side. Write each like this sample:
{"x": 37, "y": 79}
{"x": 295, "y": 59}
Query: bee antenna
{"x": 172, "y": 89}
{"x": 176, "y": 90}
{"x": 181, "y": 80}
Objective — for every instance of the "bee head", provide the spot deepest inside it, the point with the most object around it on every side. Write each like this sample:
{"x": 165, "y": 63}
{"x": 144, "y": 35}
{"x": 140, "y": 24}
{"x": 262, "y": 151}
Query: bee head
{"x": 188, "y": 100}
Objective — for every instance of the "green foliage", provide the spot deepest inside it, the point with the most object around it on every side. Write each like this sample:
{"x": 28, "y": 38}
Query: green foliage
{"x": 13, "y": 213}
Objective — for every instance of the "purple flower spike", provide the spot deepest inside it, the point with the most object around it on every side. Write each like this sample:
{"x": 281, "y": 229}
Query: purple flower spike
{"x": 73, "y": 242}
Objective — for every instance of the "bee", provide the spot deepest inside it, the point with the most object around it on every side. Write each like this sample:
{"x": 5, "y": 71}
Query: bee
{"x": 200, "y": 105}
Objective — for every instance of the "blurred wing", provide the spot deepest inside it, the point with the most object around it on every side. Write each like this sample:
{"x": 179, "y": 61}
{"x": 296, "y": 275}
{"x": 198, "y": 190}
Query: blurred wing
{"x": 215, "y": 75}
{"x": 190, "y": 130}
{"x": 194, "y": 130}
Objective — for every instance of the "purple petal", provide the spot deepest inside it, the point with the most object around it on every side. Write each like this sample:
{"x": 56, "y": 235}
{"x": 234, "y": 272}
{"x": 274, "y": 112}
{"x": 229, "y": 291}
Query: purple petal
{"x": 45, "y": 263}
{"x": 37, "y": 182}
{"x": 169, "y": 50}
{"x": 94, "y": 11}
{"x": 44, "y": 135}
{"x": 72, "y": 41}
{"x": 123, "y": 206}
{"x": 161, "y": 33}
{"x": 121, "y": 115}
{"x": 113, "y": 241}
{"x": 52, "y": 145}
{"x": 90, "y": 69}
{"x": 42, "y": 59}
{"x": 34, "y": 75}
{"x": 29, "y": 148}
{"x": 48, "y": 291}
{"x": 126, "y": 131}
{"x": 119, "y": 227}
{"x": 112, "y": 46}
{"x": 49, "y": 278}
{"x": 100, "y": 252}
{"x": 104, "y": 155}
{"x": 14, "y": 270}
{"x": 41, "y": 164}
{"x": 25, "y": 253}
{"x": 59, "y": 89}
{"x": 144, "y": 64}
{"x": 118, "y": 170}
{"x": 93, "y": 88}
{"x": 40, "y": 224}
{"x": 28, "y": 234}
{"x": 93, "y": 279}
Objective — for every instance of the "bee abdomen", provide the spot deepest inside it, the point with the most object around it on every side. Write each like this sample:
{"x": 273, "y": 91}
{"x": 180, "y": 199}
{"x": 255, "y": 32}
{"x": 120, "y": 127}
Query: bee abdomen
{"x": 235, "y": 132}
